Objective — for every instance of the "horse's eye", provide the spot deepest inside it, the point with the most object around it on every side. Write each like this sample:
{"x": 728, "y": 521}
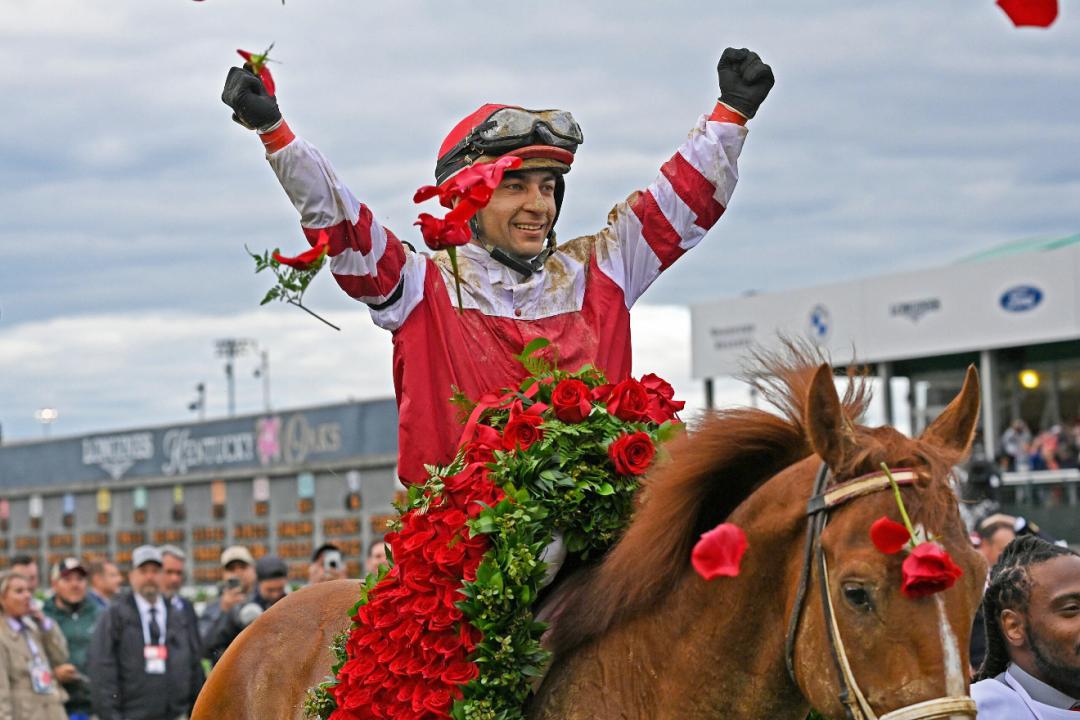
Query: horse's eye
{"x": 858, "y": 597}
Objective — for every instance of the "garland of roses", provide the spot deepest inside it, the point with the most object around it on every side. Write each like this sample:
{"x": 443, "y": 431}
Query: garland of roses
{"x": 448, "y": 631}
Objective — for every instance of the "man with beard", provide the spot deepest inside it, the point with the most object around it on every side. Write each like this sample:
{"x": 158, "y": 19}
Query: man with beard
{"x": 1032, "y": 612}
{"x": 144, "y": 663}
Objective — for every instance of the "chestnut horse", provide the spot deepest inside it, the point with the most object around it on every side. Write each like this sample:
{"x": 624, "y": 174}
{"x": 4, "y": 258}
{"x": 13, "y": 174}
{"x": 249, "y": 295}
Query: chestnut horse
{"x": 815, "y": 617}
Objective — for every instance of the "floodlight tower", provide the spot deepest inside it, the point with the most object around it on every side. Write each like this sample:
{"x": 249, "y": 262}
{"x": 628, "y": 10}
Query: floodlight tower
{"x": 263, "y": 373}
{"x": 230, "y": 349}
{"x": 46, "y": 416}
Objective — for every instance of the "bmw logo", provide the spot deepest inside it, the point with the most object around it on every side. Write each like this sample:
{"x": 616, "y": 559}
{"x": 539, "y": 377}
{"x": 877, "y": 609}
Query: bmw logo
{"x": 1020, "y": 298}
{"x": 819, "y": 323}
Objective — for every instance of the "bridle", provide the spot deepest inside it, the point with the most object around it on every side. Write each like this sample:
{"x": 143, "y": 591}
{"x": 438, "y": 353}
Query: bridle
{"x": 851, "y": 696}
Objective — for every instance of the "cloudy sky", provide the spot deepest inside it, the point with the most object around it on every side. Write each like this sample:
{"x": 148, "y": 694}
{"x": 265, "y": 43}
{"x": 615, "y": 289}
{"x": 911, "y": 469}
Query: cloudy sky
{"x": 896, "y": 138}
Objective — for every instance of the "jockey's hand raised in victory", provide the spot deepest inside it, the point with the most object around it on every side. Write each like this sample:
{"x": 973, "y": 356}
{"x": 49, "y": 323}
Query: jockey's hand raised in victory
{"x": 253, "y": 107}
{"x": 745, "y": 80}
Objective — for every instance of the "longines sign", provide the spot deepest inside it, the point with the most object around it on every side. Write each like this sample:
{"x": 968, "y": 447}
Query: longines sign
{"x": 255, "y": 442}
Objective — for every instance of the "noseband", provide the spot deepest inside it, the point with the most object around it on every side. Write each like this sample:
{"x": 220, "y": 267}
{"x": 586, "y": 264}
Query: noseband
{"x": 852, "y": 698}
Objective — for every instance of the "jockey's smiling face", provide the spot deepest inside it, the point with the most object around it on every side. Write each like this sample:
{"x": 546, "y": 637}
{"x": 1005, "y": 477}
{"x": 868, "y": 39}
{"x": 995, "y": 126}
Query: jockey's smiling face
{"x": 520, "y": 214}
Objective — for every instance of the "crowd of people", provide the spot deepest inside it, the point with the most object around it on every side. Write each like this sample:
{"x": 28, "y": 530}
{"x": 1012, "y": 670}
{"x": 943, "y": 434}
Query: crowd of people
{"x": 1055, "y": 448}
{"x": 91, "y": 648}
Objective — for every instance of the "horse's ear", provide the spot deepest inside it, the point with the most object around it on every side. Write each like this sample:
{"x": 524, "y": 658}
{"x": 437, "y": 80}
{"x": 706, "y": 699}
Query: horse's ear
{"x": 826, "y": 426}
{"x": 954, "y": 428}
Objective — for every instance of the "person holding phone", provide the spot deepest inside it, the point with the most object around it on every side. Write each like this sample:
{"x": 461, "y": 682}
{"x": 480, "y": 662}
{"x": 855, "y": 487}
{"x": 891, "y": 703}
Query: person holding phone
{"x": 237, "y": 582}
{"x": 327, "y": 563}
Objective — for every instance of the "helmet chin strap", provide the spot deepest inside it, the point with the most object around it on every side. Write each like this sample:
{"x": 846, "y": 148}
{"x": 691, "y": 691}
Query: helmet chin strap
{"x": 524, "y": 267}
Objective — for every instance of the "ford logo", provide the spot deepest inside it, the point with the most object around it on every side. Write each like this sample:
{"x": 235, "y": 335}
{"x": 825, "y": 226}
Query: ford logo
{"x": 1021, "y": 298}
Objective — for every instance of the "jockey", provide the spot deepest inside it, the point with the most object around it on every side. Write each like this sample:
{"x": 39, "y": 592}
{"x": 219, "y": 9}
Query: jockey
{"x": 517, "y": 283}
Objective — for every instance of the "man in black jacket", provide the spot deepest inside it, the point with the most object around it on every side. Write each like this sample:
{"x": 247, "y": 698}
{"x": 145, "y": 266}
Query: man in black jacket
{"x": 144, "y": 663}
{"x": 271, "y": 579}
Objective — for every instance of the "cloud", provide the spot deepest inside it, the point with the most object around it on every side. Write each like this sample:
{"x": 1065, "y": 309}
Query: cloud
{"x": 112, "y": 371}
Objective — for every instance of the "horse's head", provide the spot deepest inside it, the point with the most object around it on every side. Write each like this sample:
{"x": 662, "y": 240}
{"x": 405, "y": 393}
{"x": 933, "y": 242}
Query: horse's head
{"x": 870, "y": 650}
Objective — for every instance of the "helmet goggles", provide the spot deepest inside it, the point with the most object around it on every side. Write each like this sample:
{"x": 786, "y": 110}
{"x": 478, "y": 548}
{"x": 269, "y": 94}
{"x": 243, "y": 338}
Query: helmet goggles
{"x": 508, "y": 129}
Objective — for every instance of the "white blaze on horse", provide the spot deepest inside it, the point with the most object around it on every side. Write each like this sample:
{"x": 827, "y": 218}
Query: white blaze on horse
{"x": 815, "y": 617}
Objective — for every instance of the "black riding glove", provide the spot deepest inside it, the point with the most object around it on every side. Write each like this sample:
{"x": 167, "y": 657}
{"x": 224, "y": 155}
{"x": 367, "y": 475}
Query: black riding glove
{"x": 252, "y": 106}
{"x": 745, "y": 81}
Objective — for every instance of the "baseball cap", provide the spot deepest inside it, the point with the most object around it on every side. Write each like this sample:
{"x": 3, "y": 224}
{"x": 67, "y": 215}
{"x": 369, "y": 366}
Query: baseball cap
{"x": 236, "y": 553}
{"x": 65, "y": 567}
{"x": 271, "y": 567}
{"x": 145, "y": 554}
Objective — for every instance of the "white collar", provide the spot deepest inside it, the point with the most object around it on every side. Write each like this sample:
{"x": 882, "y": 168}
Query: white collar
{"x": 144, "y": 606}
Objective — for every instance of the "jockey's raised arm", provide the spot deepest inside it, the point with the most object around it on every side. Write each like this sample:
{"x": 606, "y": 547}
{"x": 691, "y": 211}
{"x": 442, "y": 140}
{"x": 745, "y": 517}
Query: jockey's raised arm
{"x": 366, "y": 259}
{"x": 654, "y": 227}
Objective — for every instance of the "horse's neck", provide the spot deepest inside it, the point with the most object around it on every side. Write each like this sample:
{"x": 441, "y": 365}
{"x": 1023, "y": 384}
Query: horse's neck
{"x": 709, "y": 650}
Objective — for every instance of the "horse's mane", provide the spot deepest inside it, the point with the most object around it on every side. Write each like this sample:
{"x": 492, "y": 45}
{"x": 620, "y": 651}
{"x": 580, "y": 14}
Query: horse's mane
{"x": 713, "y": 469}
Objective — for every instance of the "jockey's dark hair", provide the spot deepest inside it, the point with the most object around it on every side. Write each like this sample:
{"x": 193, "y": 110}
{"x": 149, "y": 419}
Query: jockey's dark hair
{"x": 1010, "y": 589}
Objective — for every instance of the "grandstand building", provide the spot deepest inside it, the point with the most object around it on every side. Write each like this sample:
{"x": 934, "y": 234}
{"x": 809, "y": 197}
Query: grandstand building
{"x": 281, "y": 483}
{"x": 1013, "y": 312}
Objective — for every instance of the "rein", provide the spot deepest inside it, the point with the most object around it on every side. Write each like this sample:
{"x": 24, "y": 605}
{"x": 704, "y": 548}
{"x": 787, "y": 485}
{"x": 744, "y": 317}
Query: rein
{"x": 851, "y": 696}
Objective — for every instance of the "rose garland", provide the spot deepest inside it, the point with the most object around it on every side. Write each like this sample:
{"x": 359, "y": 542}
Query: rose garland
{"x": 448, "y": 631}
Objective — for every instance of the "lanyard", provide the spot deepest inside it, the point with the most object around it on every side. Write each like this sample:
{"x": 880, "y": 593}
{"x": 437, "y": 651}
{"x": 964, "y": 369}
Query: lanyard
{"x": 24, "y": 630}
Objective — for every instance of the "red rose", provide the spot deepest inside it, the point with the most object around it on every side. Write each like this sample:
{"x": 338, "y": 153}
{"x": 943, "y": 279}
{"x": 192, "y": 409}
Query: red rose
{"x": 928, "y": 569}
{"x": 257, "y": 62}
{"x": 485, "y": 440}
{"x": 308, "y": 259}
{"x": 460, "y": 673}
{"x": 719, "y": 552}
{"x": 888, "y": 535}
{"x": 662, "y": 405}
{"x": 523, "y": 429}
{"x": 438, "y": 702}
{"x": 632, "y": 453}
{"x": 629, "y": 401}
{"x": 571, "y": 400}
{"x": 602, "y": 393}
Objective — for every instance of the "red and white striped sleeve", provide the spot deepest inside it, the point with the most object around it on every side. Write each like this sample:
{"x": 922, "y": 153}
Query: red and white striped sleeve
{"x": 653, "y": 228}
{"x": 368, "y": 262}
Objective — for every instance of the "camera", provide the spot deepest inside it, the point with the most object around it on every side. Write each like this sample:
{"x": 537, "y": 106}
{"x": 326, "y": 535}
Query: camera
{"x": 233, "y": 583}
{"x": 332, "y": 560}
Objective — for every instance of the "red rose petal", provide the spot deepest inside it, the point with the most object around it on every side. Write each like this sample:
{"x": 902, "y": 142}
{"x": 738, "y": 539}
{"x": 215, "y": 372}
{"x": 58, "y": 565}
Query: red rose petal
{"x": 1030, "y": 13}
{"x": 305, "y": 260}
{"x": 889, "y": 536}
{"x": 719, "y": 552}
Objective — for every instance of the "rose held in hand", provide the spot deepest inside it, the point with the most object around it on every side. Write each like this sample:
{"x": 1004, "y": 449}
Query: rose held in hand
{"x": 572, "y": 401}
{"x": 632, "y": 453}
